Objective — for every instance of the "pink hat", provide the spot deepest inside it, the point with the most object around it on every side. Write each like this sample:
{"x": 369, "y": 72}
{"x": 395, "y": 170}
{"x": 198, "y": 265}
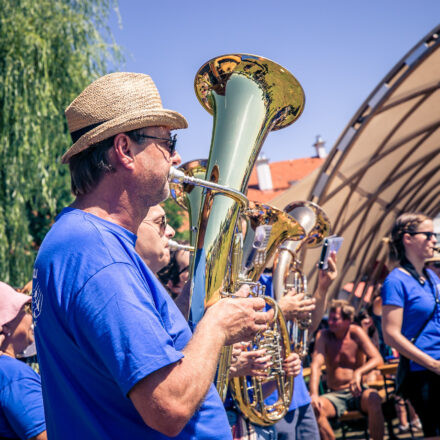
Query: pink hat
{"x": 11, "y": 303}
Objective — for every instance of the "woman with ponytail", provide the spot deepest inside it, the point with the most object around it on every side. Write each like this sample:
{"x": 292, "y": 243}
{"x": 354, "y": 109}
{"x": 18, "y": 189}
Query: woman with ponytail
{"x": 411, "y": 317}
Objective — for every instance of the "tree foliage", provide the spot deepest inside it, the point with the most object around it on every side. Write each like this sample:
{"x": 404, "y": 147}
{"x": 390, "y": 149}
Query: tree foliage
{"x": 49, "y": 51}
{"x": 178, "y": 219}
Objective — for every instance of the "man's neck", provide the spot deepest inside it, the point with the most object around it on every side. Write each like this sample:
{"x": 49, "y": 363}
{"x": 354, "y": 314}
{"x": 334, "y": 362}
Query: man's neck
{"x": 340, "y": 334}
{"x": 112, "y": 205}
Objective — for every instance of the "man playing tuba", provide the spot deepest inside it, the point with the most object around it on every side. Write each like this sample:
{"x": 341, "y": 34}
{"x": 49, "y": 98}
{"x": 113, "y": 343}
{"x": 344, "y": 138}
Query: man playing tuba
{"x": 116, "y": 354}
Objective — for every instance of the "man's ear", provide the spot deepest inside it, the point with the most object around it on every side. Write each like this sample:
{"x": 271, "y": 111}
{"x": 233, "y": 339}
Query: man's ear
{"x": 123, "y": 150}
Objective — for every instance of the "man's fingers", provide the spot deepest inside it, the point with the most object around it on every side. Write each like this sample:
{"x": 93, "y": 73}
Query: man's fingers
{"x": 294, "y": 293}
{"x": 255, "y": 353}
{"x": 257, "y": 303}
{"x": 262, "y": 360}
{"x": 260, "y": 327}
{"x": 263, "y": 317}
{"x": 243, "y": 292}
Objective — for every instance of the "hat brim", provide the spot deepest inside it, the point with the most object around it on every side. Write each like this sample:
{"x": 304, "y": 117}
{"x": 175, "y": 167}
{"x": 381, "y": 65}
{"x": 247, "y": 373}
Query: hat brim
{"x": 127, "y": 122}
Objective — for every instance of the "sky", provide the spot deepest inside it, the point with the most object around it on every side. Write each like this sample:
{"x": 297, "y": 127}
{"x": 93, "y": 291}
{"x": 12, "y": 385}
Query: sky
{"x": 338, "y": 50}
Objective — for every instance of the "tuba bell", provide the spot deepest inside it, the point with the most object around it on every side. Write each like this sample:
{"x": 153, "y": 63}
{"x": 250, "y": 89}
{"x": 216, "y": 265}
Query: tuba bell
{"x": 288, "y": 274}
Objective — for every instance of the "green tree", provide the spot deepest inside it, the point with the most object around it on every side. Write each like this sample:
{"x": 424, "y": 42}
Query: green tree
{"x": 177, "y": 218}
{"x": 49, "y": 51}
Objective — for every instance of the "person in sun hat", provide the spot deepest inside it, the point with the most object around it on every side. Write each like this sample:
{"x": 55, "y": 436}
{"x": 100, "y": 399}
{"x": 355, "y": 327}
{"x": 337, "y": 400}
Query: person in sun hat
{"x": 116, "y": 356}
{"x": 21, "y": 401}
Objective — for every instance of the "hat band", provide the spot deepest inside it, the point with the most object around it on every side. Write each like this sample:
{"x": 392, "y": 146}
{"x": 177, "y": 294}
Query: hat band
{"x": 75, "y": 135}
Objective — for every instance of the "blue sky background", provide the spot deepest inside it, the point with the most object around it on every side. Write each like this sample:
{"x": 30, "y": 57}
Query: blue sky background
{"x": 339, "y": 51}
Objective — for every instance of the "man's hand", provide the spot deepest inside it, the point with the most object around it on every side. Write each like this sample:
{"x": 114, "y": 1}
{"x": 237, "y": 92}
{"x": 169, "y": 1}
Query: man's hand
{"x": 293, "y": 304}
{"x": 292, "y": 365}
{"x": 356, "y": 384}
{"x": 316, "y": 402}
{"x": 436, "y": 367}
{"x": 250, "y": 363}
{"x": 238, "y": 319}
{"x": 326, "y": 277}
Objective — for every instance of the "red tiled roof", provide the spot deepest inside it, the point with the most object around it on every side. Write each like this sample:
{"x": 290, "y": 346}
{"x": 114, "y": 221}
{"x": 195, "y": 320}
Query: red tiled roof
{"x": 284, "y": 173}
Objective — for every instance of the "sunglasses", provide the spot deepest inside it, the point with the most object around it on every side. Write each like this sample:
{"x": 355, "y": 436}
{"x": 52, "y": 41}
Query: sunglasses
{"x": 162, "y": 223}
{"x": 427, "y": 234}
{"x": 435, "y": 264}
{"x": 170, "y": 142}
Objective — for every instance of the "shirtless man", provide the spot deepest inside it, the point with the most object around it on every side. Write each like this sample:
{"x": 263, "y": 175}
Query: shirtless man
{"x": 342, "y": 348}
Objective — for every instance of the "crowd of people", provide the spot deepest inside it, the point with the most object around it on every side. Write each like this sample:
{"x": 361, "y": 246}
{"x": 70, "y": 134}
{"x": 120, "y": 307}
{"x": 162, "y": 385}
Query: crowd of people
{"x": 116, "y": 354}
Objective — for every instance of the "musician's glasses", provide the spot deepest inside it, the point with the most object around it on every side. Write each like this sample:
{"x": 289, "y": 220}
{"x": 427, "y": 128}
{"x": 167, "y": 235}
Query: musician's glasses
{"x": 427, "y": 234}
{"x": 161, "y": 223}
{"x": 170, "y": 142}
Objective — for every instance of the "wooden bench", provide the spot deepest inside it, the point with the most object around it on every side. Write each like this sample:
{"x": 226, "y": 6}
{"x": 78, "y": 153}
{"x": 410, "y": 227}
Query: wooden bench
{"x": 349, "y": 417}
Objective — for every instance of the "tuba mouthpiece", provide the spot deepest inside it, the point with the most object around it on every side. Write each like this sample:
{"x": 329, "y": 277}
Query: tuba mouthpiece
{"x": 175, "y": 246}
{"x": 176, "y": 176}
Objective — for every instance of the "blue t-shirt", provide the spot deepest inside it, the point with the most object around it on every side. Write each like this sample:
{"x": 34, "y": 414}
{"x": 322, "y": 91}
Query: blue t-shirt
{"x": 102, "y": 323}
{"x": 22, "y": 412}
{"x": 301, "y": 394}
{"x": 402, "y": 290}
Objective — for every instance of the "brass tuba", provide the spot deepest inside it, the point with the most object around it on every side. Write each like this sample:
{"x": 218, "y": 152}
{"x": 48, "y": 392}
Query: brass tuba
{"x": 288, "y": 274}
{"x": 248, "y": 96}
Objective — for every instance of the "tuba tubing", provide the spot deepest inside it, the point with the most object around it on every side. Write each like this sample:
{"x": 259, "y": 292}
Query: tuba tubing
{"x": 178, "y": 176}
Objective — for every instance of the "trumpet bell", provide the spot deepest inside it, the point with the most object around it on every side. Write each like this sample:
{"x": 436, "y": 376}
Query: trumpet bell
{"x": 314, "y": 220}
{"x": 266, "y": 228}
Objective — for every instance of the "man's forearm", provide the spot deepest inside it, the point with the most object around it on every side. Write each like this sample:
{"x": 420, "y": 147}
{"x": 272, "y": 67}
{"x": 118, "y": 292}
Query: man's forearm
{"x": 317, "y": 314}
{"x": 168, "y": 397}
{"x": 315, "y": 376}
{"x": 370, "y": 365}
{"x": 409, "y": 350}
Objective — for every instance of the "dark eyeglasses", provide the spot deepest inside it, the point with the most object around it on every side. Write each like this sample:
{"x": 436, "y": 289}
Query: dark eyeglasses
{"x": 170, "y": 142}
{"x": 162, "y": 224}
{"x": 435, "y": 264}
{"x": 427, "y": 234}
{"x": 183, "y": 270}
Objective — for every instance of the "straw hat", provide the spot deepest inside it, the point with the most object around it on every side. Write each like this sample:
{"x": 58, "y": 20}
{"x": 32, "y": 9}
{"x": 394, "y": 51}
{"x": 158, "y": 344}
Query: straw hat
{"x": 11, "y": 303}
{"x": 434, "y": 258}
{"x": 113, "y": 104}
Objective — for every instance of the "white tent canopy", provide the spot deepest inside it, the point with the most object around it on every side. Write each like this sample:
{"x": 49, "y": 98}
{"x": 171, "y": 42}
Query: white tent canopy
{"x": 386, "y": 162}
